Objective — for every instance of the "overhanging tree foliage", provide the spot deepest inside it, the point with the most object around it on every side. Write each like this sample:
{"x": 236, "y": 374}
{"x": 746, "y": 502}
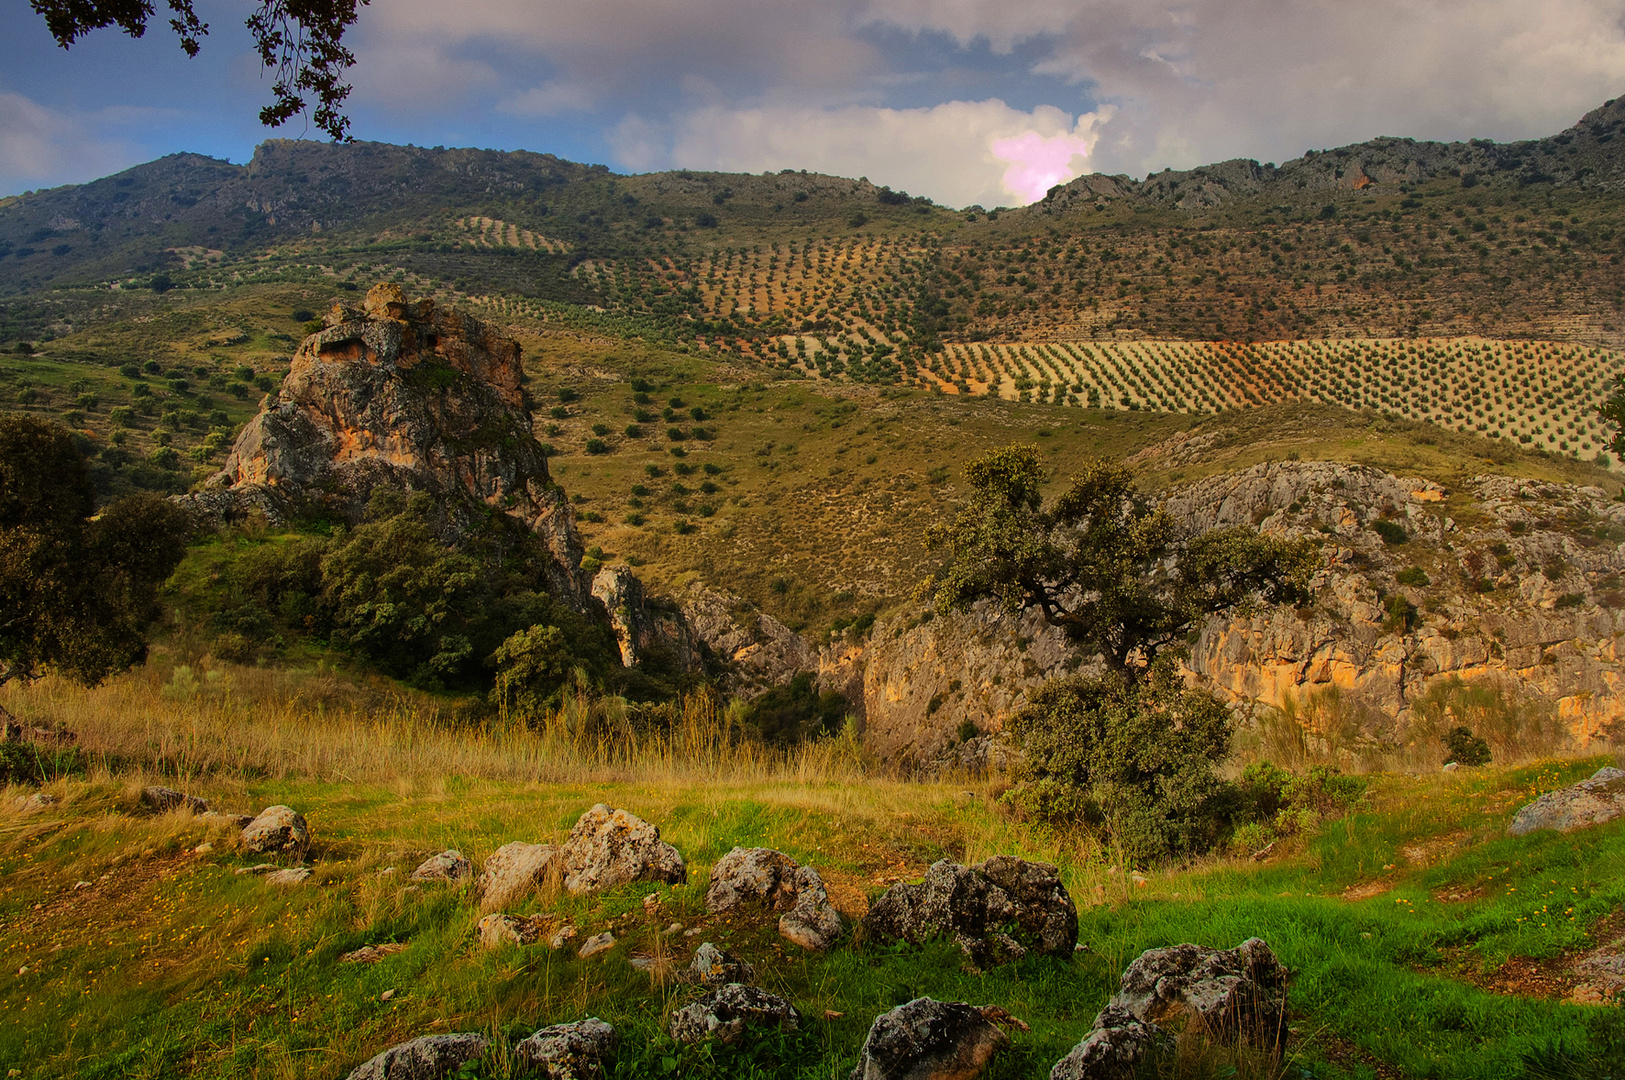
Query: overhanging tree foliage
{"x": 299, "y": 41}
{"x": 76, "y": 593}
{"x": 1100, "y": 562}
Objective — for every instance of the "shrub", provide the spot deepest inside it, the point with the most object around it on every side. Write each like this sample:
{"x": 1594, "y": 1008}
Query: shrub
{"x": 796, "y": 711}
{"x": 1392, "y": 532}
{"x": 1465, "y": 748}
{"x": 1413, "y": 576}
{"x": 597, "y": 446}
{"x": 1132, "y": 759}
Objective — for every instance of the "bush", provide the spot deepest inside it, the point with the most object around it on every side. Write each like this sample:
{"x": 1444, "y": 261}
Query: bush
{"x": 796, "y": 711}
{"x": 1132, "y": 760}
{"x": 1392, "y": 532}
{"x": 1465, "y": 748}
{"x": 23, "y": 763}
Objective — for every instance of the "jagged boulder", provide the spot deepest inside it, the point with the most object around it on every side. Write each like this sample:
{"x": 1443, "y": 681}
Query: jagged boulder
{"x": 729, "y": 1012}
{"x": 1120, "y": 1046}
{"x": 428, "y": 1058}
{"x": 577, "y": 1051}
{"x": 929, "y": 1040}
{"x": 1590, "y": 802}
{"x": 445, "y": 866}
{"x": 611, "y": 847}
{"x": 497, "y": 930}
{"x": 762, "y": 875}
{"x": 716, "y": 967}
{"x": 997, "y": 910}
{"x": 279, "y": 830}
{"x": 515, "y": 869}
{"x": 1230, "y": 993}
{"x": 161, "y": 800}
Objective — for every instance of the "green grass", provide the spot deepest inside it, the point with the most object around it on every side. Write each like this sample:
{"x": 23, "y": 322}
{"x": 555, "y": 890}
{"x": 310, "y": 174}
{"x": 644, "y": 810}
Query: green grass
{"x": 177, "y": 966}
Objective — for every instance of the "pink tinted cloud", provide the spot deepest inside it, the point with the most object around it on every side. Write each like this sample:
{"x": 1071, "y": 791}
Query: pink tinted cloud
{"x": 1037, "y": 163}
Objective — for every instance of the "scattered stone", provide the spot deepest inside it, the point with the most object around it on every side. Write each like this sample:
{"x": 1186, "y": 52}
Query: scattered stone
{"x": 575, "y": 1051}
{"x": 161, "y": 800}
{"x": 447, "y": 866}
{"x": 727, "y": 1012}
{"x": 714, "y": 967}
{"x": 388, "y": 871}
{"x": 1449, "y": 766}
{"x": 562, "y": 938}
{"x": 1120, "y": 1047}
{"x": 294, "y": 875}
{"x": 277, "y": 830}
{"x": 612, "y": 847}
{"x": 1230, "y": 992}
{"x": 673, "y": 928}
{"x": 81, "y": 885}
{"x": 596, "y": 944}
{"x": 513, "y": 870}
{"x": 995, "y": 911}
{"x": 203, "y": 848}
{"x": 695, "y": 932}
{"x": 1590, "y": 802}
{"x": 929, "y": 1040}
{"x": 428, "y": 1058}
{"x": 497, "y": 930}
{"x": 257, "y": 868}
{"x": 371, "y": 954}
{"x": 233, "y": 821}
{"x": 34, "y": 803}
{"x": 763, "y": 875}
{"x": 387, "y": 995}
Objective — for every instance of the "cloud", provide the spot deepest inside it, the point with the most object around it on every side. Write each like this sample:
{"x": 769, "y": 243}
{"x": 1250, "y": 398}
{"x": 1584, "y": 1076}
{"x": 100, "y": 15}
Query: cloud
{"x": 44, "y": 147}
{"x": 1215, "y": 79}
{"x": 958, "y": 153}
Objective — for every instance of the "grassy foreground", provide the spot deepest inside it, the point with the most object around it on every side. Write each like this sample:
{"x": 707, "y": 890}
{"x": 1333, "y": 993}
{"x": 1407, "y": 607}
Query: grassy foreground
{"x": 1426, "y": 942}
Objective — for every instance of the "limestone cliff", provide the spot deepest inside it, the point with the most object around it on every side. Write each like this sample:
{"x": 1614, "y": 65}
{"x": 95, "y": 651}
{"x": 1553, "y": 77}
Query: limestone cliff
{"x": 1514, "y": 580}
{"x": 410, "y": 395}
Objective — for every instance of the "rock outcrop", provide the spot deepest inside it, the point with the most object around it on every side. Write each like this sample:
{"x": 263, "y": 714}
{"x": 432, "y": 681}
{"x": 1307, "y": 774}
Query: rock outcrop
{"x": 728, "y": 1013}
{"x": 996, "y": 911}
{"x": 409, "y": 395}
{"x": 612, "y": 847}
{"x": 1590, "y": 802}
{"x": 929, "y": 1040}
{"x": 1521, "y": 587}
{"x": 752, "y": 651}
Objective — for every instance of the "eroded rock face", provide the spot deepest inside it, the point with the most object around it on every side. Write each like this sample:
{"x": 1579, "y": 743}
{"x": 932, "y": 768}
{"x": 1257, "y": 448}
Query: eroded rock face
{"x": 277, "y": 830}
{"x": 644, "y": 627}
{"x": 578, "y": 1051}
{"x": 929, "y": 1040}
{"x": 612, "y": 847}
{"x": 1229, "y": 992}
{"x": 1590, "y": 802}
{"x": 513, "y": 870}
{"x": 754, "y": 651}
{"x": 1547, "y": 631}
{"x": 428, "y": 1058}
{"x": 409, "y": 395}
{"x": 729, "y": 1013}
{"x": 974, "y": 905}
{"x": 1120, "y": 1046}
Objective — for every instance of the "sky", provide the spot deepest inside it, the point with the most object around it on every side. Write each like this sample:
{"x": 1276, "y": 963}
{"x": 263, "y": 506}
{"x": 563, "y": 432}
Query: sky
{"x": 985, "y": 102}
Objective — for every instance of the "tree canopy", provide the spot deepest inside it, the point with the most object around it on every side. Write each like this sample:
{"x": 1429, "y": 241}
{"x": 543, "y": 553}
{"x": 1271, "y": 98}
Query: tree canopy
{"x": 1099, "y": 561}
{"x": 76, "y": 593}
{"x": 299, "y": 41}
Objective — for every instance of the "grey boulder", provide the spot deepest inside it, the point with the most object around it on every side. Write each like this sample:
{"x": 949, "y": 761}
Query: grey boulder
{"x": 577, "y": 1051}
{"x": 765, "y": 876}
{"x": 161, "y": 800}
{"x": 1230, "y": 993}
{"x": 1121, "y": 1046}
{"x": 728, "y": 1012}
{"x": 514, "y": 870}
{"x": 447, "y": 866}
{"x": 428, "y": 1058}
{"x": 995, "y": 911}
{"x": 277, "y": 830}
{"x": 929, "y": 1040}
{"x": 611, "y": 847}
{"x": 1590, "y": 802}
{"x": 715, "y": 967}
{"x": 497, "y": 930}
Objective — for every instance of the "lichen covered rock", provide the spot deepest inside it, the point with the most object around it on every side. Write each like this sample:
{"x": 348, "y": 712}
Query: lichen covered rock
{"x": 1590, "y": 802}
{"x": 577, "y": 1051}
{"x": 731, "y": 1011}
{"x": 929, "y": 1040}
{"x": 428, "y": 1058}
{"x": 611, "y": 847}
{"x": 1231, "y": 993}
{"x": 279, "y": 830}
{"x": 996, "y": 911}
{"x": 513, "y": 870}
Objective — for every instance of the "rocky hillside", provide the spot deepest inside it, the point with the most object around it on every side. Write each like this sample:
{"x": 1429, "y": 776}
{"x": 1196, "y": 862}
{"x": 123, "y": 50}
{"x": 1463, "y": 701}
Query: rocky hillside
{"x": 1509, "y": 584}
